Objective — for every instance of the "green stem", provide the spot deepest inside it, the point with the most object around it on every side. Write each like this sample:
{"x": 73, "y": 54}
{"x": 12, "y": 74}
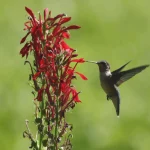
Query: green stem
{"x": 41, "y": 132}
{"x": 41, "y": 138}
{"x": 56, "y": 128}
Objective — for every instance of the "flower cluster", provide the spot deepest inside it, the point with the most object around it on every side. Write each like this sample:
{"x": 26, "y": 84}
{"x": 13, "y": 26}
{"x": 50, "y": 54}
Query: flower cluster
{"x": 52, "y": 72}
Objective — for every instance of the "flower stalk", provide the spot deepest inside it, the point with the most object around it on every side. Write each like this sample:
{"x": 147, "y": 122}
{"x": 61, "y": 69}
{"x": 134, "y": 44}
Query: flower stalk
{"x": 53, "y": 68}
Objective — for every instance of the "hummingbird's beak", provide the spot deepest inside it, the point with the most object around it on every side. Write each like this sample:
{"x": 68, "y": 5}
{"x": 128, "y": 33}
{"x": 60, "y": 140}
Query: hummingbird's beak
{"x": 91, "y": 61}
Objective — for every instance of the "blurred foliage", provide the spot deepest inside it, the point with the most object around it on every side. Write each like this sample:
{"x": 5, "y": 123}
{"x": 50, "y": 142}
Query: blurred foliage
{"x": 117, "y": 31}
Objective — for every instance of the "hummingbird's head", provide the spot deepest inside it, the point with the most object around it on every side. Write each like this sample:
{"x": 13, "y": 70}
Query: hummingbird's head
{"x": 103, "y": 66}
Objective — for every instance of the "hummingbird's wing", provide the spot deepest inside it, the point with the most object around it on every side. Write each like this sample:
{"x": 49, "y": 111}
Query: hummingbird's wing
{"x": 118, "y": 70}
{"x": 116, "y": 102}
{"x": 123, "y": 76}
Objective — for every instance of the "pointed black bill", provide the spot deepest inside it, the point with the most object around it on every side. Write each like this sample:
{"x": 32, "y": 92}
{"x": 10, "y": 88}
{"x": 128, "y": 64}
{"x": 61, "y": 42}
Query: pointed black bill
{"x": 91, "y": 61}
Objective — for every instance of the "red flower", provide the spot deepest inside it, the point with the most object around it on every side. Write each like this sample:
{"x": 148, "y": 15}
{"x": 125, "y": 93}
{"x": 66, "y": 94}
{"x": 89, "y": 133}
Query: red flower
{"x": 80, "y": 60}
{"x": 75, "y": 95}
{"x": 25, "y": 50}
{"x": 40, "y": 94}
{"x": 52, "y": 69}
{"x": 81, "y": 75}
{"x": 36, "y": 75}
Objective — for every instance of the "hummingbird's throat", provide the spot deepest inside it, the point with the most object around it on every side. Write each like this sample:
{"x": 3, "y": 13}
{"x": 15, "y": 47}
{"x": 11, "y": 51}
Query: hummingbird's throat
{"x": 106, "y": 73}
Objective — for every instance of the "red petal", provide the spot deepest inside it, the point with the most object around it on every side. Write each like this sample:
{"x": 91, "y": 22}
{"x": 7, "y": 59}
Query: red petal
{"x": 59, "y": 16}
{"x": 40, "y": 94}
{"x": 70, "y": 71}
{"x": 72, "y": 27}
{"x": 45, "y": 13}
{"x": 76, "y": 99}
{"x": 36, "y": 75}
{"x": 42, "y": 64}
{"x": 66, "y": 35}
{"x": 65, "y": 46}
{"x": 80, "y": 60}
{"x": 74, "y": 55}
{"x": 64, "y": 20}
{"x": 24, "y": 51}
{"x": 56, "y": 30}
{"x": 75, "y": 95}
{"x": 33, "y": 29}
{"x": 82, "y": 76}
{"x": 29, "y": 11}
{"x": 24, "y": 38}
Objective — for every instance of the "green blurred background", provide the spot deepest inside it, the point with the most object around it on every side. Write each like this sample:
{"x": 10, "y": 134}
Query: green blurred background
{"x": 114, "y": 30}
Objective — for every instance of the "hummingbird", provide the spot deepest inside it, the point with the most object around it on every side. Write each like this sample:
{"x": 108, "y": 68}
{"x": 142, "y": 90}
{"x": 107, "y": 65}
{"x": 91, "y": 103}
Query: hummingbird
{"x": 111, "y": 80}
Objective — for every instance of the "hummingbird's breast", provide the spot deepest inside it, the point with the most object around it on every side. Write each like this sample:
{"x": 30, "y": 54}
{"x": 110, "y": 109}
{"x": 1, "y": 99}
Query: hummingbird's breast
{"x": 107, "y": 84}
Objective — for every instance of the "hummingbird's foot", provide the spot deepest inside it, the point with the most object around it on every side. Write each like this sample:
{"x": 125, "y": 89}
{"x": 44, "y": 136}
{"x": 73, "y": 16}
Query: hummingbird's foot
{"x": 108, "y": 97}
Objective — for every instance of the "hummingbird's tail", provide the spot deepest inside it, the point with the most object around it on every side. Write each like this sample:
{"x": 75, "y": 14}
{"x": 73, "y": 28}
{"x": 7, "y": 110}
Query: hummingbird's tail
{"x": 116, "y": 101}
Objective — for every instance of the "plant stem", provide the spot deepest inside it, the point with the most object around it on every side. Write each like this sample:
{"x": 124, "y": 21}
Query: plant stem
{"x": 41, "y": 132}
{"x": 40, "y": 143}
{"x": 56, "y": 128}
